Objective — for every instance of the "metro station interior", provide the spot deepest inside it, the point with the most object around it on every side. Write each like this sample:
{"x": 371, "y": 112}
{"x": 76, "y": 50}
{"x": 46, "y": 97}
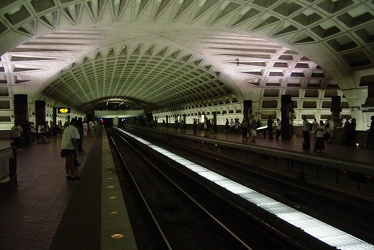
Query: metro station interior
{"x": 188, "y": 57}
{"x": 184, "y": 60}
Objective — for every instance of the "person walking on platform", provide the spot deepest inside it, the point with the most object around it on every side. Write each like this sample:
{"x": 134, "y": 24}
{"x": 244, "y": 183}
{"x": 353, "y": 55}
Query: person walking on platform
{"x": 68, "y": 149}
{"x": 91, "y": 128}
{"x": 306, "y": 135}
{"x": 16, "y": 135}
{"x": 244, "y": 129}
{"x": 253, "y": 128}
{"x": 85, "y": 127}
{"x": 320, "y": 140}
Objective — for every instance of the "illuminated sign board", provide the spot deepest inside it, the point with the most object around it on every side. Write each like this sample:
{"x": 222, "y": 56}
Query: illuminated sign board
{"x": 63, "y": 110}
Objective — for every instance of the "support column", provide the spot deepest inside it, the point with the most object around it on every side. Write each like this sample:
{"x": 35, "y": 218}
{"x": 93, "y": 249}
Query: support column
{"x": 184, "y": 121}
{"x": 335, "y": 108}
{"x": 360, "y": 105}
{"x": 54, "y": 119}
{"x": 39, "y": 113}
{"x": 20, "y": 110}
{"x": 214, "y": 122}
{"x": 286, "y": 117}
{"x": 247, "y": 108}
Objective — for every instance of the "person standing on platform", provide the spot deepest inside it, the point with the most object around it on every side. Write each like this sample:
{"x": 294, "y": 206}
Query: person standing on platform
{"x": 237, "y": 125}
{"x": 279, "y": 129}
{"x": 194, "y": 126}
{"x": 69, "y": 148}
{"x": 370, "y": 141}
{"x": 41, "y": 132}
{"x": 244, "y": 129}
{"x": 320, "y": 140}
{"x": 329, "y": 125}
{"x": 270, "y": 127}
{"x": 306, "y": 135}
{"x": 315, "y": 124}
{"x": 227, "y": 126}
{"x": 352, "y": 133}
{"x": 16, "y": 136}
{"x": 253, "y": 128}
{"x": 91, "y": 128}
{"x": 232, "y": 126}
{"x": 85, "y": 127}
{"x": 346, "y": 129}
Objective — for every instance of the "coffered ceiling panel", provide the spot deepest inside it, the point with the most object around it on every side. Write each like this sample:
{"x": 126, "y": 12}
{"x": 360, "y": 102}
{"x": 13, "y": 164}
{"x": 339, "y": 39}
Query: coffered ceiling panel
{"x": 162, "y": 54}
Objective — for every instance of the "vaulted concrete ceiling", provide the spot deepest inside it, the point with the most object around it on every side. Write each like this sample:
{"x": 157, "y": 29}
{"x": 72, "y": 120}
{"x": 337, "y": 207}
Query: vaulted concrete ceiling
{"x": 162, "y": 54}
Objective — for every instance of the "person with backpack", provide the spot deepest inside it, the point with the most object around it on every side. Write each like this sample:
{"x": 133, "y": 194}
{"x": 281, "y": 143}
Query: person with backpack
{"x": 306, "y": 135}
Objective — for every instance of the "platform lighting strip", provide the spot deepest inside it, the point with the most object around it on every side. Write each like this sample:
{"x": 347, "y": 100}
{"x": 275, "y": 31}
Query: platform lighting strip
{"x": 314, "y": 227}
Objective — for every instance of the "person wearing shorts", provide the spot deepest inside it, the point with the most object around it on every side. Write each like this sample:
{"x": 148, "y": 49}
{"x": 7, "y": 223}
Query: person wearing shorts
{"x": 68, "y": 149}
{"x": 253, "y": 128}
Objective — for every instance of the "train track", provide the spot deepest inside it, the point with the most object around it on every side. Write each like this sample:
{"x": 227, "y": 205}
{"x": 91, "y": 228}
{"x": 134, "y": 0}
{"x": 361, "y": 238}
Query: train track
{"x": 180, "y": 211}
{"x": 347, "y": 213}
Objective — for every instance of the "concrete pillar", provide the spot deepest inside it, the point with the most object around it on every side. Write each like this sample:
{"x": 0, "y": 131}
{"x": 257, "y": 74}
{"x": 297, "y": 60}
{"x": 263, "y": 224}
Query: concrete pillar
{"x": 247, "y": 108}
{"x": 40, "y": 113}
{"x": 356, "y": 98}
{"x": 20, "y": 110}
{"x": 286, "y": 117}
{"x": 184, "y": 121}
{"x": 214, "y": 122}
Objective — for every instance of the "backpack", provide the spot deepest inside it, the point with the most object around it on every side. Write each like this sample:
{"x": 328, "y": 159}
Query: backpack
{"x": 310, "y": 126}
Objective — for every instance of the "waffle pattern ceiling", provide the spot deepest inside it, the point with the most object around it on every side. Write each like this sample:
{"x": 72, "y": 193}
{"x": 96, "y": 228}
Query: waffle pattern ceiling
{"x": 168, "y": 53}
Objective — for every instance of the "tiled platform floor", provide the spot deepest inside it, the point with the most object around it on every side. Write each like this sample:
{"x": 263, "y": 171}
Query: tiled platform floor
{"x": 31, "y": 214}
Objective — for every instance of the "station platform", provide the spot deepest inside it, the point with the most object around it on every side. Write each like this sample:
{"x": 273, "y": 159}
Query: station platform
{"x": 46, "y": 211}
{"x": 351, "y": 154}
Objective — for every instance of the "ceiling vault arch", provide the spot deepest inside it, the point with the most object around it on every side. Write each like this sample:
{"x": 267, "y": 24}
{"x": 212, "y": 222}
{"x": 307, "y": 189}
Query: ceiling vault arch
{"x": 169, "y": 53}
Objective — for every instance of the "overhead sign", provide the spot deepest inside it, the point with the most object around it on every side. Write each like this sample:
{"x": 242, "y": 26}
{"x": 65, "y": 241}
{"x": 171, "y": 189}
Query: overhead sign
{"x": 63, "y": 110}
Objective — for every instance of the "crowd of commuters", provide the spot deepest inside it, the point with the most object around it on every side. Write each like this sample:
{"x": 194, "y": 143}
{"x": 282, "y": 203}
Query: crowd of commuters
{"x": 322, "y": 131}
{"x": 72, "y": 133}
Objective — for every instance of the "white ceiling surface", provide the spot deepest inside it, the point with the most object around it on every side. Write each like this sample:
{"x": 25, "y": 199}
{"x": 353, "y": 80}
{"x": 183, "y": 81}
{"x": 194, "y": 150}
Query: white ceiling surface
{"x": 168, "y": 54}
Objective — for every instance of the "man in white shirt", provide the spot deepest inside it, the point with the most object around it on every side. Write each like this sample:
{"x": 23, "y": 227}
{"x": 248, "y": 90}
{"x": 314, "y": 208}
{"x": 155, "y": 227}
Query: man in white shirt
{"x": 68, "y": 149}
